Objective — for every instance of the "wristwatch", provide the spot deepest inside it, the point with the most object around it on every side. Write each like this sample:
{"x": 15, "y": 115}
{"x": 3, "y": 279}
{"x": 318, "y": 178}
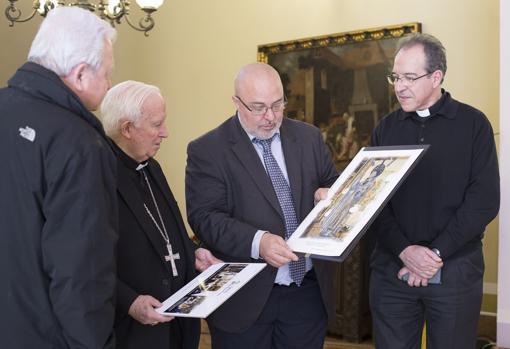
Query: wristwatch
{"x": 436, "y": 251}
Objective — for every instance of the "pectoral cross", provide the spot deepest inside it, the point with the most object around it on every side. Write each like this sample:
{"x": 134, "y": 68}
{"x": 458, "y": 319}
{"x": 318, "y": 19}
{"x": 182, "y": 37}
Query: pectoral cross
{"x": 172, "y": 257}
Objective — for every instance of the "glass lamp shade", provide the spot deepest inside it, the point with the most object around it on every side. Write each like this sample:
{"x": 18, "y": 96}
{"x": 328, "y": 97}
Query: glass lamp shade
{"x": 111, "y": 6}
{"x": 152, "y": 4}
{"x": 43, "y": 2}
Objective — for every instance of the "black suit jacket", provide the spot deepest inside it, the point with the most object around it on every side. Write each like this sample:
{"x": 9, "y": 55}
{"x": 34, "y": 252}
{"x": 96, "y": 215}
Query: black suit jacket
{"x": 229, "y": 196}
{"x": 141, "y": 268}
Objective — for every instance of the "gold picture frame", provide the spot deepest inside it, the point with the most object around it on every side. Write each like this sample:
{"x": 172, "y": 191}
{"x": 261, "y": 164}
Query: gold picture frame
{"x": 338, "y": 82}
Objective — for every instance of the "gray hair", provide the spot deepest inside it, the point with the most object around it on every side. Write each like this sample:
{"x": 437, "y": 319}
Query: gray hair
{"x": 70, "y": 36}
{"x": 124, "y": 102}
{"x": 435, "y": 53}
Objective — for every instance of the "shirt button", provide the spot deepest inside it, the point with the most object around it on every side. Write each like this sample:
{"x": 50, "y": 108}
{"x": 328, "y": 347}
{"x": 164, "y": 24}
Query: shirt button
{"x": 422, "y": 125}
{"x": 422, "y": 139}
{"x": 164, "y": 282}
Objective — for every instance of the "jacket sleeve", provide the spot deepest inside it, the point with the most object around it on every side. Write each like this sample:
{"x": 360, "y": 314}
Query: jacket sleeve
{"x": 481, "y": 198}
{"x": 209, "y": 208}
{"x": 125, "y": 297}
{"x": 78, "y": 242}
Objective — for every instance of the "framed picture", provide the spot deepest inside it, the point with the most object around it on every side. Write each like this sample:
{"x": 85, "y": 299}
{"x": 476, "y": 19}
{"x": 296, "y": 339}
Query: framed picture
{"x": 336, "y": 224}
{"x": 338, "y": 83}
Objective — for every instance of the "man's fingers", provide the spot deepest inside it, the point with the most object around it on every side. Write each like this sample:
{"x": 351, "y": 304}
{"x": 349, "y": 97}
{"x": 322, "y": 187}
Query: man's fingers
{"x": 402, "y": 272}
{"x": 153, "y": 302}
{"x": 156, "y": 317}
{"x": 277, "y": 260}
{"x": 275, "y": 250}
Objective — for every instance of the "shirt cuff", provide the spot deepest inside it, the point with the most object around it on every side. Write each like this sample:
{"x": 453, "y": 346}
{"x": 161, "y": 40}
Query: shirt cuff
{"x": 256, "y": 244}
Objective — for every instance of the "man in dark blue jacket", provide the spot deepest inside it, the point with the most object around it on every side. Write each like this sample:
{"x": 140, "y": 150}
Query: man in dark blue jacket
{"x": 58, "y": 204}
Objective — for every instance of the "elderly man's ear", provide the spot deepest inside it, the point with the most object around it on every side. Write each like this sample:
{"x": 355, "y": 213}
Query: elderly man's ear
{"x": 126, "y": 128}
{"x": 76, "y": 80}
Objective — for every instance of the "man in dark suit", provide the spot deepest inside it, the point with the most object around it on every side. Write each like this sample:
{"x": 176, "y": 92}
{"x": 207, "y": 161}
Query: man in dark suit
{"x": 427, "y": 266}
{"x": 249, "y": 182}
{"x": 155, "y": 255}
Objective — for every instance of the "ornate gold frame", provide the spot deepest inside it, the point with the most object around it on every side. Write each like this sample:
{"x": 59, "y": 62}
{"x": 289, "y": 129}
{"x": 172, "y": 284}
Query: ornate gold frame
{"x": 392, "y": 31}
{"x": 338, "y": 82}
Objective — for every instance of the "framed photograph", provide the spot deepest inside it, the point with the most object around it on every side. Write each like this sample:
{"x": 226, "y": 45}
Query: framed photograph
{"x": 202, "y": 295}
{"x": 338, "y": 83}
{"x": 336, "y": 224}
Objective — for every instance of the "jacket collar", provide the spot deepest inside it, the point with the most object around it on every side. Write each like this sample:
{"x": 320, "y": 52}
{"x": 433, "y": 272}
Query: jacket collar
{"x": 44, "y": 84}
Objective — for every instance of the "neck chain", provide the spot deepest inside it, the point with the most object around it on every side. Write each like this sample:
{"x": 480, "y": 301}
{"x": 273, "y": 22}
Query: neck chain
{"x": 164, "y": 234}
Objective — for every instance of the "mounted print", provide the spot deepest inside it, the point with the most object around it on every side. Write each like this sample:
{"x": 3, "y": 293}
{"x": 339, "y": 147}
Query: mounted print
{"x": 338, "y": 83}
{"x": 336, "y": 224}
{"x": 209, "y": 290}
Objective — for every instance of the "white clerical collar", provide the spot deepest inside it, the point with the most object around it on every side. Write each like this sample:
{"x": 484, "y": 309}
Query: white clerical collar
{"x": 142, "y": 165}
{"x": 423, "y": 113}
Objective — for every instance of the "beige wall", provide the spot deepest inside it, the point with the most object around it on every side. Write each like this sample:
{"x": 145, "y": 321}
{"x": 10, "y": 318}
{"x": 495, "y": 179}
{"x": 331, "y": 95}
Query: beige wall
{"x": 198, "y": 46}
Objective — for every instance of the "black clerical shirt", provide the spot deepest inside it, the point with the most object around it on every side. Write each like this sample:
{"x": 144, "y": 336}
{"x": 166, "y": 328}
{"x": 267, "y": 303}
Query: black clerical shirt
{"x": 453, "y": 193}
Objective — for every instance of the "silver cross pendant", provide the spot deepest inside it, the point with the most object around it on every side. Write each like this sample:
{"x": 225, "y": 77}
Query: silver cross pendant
{"x": 172, "y": 257}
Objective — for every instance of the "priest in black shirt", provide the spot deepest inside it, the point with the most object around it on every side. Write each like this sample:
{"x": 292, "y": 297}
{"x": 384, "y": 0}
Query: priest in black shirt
{"x": 155, "y": 255}
{"x": 428, "y": 266}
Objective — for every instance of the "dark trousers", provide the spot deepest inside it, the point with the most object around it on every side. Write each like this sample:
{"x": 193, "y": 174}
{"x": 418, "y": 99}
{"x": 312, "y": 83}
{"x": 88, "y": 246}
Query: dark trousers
{"x": 449, "y": 310}
{"x": 293, "y": 318}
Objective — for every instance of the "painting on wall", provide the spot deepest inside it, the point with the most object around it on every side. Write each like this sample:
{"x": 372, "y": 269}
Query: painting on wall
{"x": 338, "y": 83}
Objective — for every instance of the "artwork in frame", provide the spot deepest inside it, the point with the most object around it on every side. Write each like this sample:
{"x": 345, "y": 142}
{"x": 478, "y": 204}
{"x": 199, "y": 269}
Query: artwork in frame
{"x": 335, "y": 225}
{"x": 338, "y": 83}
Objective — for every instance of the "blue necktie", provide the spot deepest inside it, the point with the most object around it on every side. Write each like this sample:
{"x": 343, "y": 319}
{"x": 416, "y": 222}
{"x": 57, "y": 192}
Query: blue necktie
{"x": 284, "y": 195}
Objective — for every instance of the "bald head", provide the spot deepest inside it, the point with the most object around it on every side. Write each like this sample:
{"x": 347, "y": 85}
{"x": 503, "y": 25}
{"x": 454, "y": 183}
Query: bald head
{"x": 259, "y": 99}
{"x": 255, "y": 77}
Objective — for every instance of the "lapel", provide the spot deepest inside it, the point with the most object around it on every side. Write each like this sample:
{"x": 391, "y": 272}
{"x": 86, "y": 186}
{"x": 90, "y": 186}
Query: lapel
{"x": 247, "y": 155}
{"x": 293, "y": 160}
{"x": 134, "y": 201}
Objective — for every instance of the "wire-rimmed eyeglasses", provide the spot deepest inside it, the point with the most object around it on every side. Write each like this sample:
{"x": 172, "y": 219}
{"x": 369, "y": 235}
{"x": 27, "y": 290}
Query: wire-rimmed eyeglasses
{"x": 259, "y": 109}
{"x": 406, "y": 79}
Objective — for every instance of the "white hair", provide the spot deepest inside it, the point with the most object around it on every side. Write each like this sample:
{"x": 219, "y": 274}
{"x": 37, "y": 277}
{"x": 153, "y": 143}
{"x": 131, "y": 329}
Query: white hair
{"x": 70, "y": 36}
{"x": 124, "y": 102}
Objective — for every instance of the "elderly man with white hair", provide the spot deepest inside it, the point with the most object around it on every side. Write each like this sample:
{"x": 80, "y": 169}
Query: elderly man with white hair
{"x": 155, "y": 256}
{"x": 58, "y": 205}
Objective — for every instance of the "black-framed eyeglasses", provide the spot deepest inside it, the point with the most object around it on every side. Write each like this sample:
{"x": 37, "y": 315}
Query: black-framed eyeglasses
{"x": 261, "y": 109}
{"x": 407, "y": 80}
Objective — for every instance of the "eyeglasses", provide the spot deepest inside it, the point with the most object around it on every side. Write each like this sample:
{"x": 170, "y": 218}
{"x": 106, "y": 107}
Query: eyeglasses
{"x": 406, "y": 79}
{"x": 259, "y": 109}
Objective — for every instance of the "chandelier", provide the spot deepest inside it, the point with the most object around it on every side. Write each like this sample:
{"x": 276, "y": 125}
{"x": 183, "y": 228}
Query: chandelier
{"x": 112, "y": 11}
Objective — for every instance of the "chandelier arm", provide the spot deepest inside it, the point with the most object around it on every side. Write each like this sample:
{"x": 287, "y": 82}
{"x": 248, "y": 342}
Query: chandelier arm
{"x": 145, "y": 24}
{"x": 13, "y": 15}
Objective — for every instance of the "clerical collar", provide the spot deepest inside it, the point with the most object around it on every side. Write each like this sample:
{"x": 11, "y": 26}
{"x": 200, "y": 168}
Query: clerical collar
{"x": 429, "y": 112}
{"x": 435, "y": 108}
{"x": 128, "y": 161}
{"x": 141, "y": 165}
{"x": 423, "y": 113}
